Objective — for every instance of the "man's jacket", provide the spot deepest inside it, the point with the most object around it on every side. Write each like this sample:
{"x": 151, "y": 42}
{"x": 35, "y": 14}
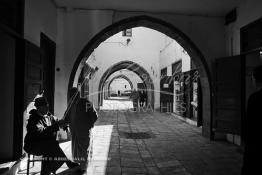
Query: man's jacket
{"x": 41, "y": 130}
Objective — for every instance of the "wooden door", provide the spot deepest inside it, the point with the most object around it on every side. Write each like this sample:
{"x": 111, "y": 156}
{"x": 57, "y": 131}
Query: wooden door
{"x": 33, "y": 73}
{"x": 199, "y": 100}
{"x": 187, "y": 93}
{"x": 48, "y": 53}
{"x": 228, "y": 96}
{"x": 166, "y": 94}
{"x": 9, "y": 105}
{"x": 33, "y": 79}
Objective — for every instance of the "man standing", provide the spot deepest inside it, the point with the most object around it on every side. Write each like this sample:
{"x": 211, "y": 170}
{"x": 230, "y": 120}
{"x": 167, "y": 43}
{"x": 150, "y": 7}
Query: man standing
{"x": 252, "y": 127}
{"x": 135, "y": 97}
{"x": 81, "y": 117}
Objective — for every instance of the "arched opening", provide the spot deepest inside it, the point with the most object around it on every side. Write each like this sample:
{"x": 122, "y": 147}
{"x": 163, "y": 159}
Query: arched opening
{"x": 134, "y": 67}
{"x": 118, "y": 77}
{"x": 172, "y": 32}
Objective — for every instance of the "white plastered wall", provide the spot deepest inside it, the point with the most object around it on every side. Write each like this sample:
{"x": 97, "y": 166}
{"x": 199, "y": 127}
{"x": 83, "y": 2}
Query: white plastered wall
{"x": 40, "y": 16}
{"x": 133, "y": 77}
{"x": 172, "y": 53}
{"x": 143, "y": 49}
{"x": 77, "y": 27}
{"x": 248, "y": 11}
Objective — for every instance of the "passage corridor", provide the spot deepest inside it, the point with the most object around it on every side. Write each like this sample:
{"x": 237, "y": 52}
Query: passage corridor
{"x": 157, "y": 143}
{"x": 153, "y": 143}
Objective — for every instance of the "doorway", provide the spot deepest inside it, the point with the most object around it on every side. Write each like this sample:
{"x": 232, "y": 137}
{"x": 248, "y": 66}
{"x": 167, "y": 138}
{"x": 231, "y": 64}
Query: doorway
{"x": 48, "y": 54}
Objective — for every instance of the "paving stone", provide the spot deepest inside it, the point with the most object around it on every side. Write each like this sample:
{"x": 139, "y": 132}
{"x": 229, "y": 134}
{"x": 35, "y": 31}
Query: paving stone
{"x": 131, "y": 164}
{"x": 173, "y": 170}
{"x": 174, "y": 163}
{"x": 113, "y": 170}
{"x": 153, "y": 170}
{"x": 149, "y": 162}
{"x": 129, "y": 155}
{"x": 113, "y": 162}
{"x": 134, "y": 159}
{"x": 132, "y": 171}
{"x": 146, "y": 155}
{"x": 176, "y": 148}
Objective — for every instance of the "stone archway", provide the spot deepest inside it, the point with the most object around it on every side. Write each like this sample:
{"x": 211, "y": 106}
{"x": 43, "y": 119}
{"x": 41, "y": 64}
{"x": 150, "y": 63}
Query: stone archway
{"x": 108, "y": 84}
{"x": 134, "y": 67}
{"x": 124, "y": 77}
{"x": 169, "y": 30}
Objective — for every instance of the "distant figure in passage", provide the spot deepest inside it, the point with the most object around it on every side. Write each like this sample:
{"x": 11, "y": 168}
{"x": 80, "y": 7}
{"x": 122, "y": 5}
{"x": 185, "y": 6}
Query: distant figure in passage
{"x": 144, "y": 96}
{"x": 141, "y": 99}
{"x": 252, "y": 127}
{"x": 41, "y": 138}
{"x": 118, "y": 93}
{"x": 81, "y": 118}
{"x": 135, "y": 98}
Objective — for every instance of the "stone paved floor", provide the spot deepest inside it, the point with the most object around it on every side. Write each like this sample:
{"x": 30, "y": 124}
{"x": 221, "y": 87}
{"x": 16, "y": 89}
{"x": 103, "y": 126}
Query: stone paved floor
{"x": 175, "y": 147}
{"x": 172, "y": 147}
{"x": 117, "y": 104}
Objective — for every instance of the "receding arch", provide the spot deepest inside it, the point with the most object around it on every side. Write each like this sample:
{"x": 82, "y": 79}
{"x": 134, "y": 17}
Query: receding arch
{"x": 121, "y": 76}
{"x": 169, "y": 30}
{"x": 134, "y": 67}
{"x": 107, "y": 84}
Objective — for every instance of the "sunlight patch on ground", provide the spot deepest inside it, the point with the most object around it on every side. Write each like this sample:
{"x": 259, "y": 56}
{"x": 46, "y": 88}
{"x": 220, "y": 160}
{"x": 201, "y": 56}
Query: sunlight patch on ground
{"x": 116, "y": 105}
{"x": 97, "y": 159}
{"x": 101, "y": 137}
{"x": 119, "y": 98}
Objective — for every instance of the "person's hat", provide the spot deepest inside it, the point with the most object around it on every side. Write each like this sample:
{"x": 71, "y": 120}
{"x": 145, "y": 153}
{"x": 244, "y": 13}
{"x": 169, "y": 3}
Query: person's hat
{"x": 41, "y": 101}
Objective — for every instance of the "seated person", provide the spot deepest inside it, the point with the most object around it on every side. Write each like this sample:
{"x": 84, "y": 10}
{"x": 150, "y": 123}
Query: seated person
{"x": 41, "y": 138}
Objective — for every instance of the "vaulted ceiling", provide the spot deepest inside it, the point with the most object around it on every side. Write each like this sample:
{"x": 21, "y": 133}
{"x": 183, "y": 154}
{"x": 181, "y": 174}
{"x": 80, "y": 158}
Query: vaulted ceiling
{"x": 186, "y": 7}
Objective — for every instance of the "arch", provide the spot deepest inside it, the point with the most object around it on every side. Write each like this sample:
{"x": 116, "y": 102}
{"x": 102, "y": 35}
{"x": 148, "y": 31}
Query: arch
{"x": 107, "y": 84}
{"x": 169, "y": 30}
{"x": 121, "y": 76}
{"x": 134, "y": 67}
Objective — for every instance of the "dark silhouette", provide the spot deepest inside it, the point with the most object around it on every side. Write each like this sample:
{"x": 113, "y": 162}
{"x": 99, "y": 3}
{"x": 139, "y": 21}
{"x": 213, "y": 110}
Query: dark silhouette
{"x": 142, "y": 98}
{"x": 118, "y": 92}
{"x": 145, "y": 98}
{"x": 252, "y": 127}
{"x": 135, "y": 97}
{"x": 41, "y": 138}
{"x": 81, "y": 118}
